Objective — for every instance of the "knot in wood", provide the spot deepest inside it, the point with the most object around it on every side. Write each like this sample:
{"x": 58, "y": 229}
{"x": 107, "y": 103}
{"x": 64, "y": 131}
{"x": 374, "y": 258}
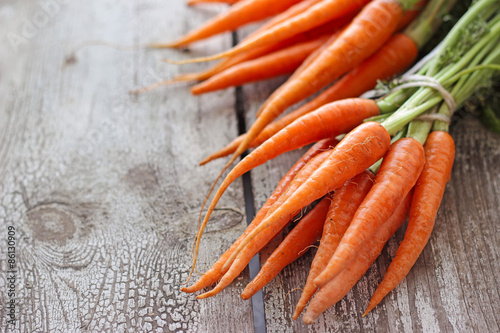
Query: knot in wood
{"x": 51, "y": 224}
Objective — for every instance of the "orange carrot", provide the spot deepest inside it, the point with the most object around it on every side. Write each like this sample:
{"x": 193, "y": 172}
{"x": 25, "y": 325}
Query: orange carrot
{"x": 274, "y": 64}
{"x": 303, "y": 67}
{"x": 216, "y": 272}
{"x": 257, "y": 51}
{"x": 236, "y": 264}
{"x": 396, "y": 55}
{"x": 244, "y": 12}
{"x": 429, "y": 190}
{"x": 303, "y": 235}
{"x": 359, "y": 149}
{"x": 368, "y": 31}
{"x": 325, "y": 29}
{"x": 315, "y": 15}
{"x": 336, "y": 289}
{"x": 282, "y": 17}
{"x": 326, "y": 122}
{"x": 237, "y": 59}
{"x": 393, "y": 57}
{"x": 398, "y": 173}
{"x": 344, "y": 204}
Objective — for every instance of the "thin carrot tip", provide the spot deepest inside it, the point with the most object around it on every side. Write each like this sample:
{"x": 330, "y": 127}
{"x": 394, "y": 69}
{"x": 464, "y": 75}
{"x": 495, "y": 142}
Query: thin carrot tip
{"x": 162, "y": 45}
{"x": 178, "y": 62}
{"x": 307, "y": 320}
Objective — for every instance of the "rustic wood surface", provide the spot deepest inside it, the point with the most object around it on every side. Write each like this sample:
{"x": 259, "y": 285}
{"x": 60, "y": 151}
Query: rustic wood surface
{"x": 103, "y": 189}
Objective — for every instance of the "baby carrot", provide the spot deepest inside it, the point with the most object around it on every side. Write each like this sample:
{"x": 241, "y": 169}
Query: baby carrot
{"x": 303, "y": 235}
{"x": 264, "y": 49}
{"x": 325, "y": 29}
{"x": 398, "y": 173}
{"x": 216, "y": 272}
{"x": 368, "y": 31}
{"x": 243, "y": 12}
{"x": 318, "y": 13}
{"x": 358, "y": 150}
{"x": 396, "y": 55}
{"x": 336, "y": 289}
{"x": 326, "y": 122}
{"x": 429, "y": 190}
{"x": 281, "y": 62}
{"x": 236, "y": 263}
{"x": 344, "y": 203}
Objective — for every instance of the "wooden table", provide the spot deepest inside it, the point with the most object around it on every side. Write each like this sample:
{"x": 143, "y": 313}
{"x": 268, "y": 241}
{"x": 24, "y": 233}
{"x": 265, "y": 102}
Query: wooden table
{"x": 103, "y": 190}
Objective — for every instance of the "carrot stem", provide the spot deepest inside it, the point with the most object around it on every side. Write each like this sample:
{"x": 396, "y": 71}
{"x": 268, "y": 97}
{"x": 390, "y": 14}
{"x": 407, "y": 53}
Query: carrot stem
{"x": 404, "y": 115}
{"x": 456, "y": 33}
{"x": 428, "y": 21}
{"x": 419, "y": 129}
{"x": 425, "y": 98}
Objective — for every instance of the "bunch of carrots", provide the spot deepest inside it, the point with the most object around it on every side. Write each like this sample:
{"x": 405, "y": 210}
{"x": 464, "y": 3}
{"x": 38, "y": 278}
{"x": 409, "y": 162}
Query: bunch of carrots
{"x": 375, "y": 161}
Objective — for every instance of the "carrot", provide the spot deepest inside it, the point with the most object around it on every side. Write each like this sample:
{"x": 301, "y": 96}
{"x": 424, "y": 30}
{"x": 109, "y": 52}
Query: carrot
{"x": 336, "y": 289}
{"x": 429, "y": 190}
{"x": 327, "y": 122}
{"x": 398, "y": 173}
{"x": 393, "y": 57}
{"x": 315, "y": 15}
{"x": 302, "y": 236}
{"x": 264, "y": 49}
{"x": 281, "y": 62}
{"x": 359, "y": 149}
{"x": 407, "y": 18}
{"x": 325, "y": 29}
{"x": 365, "y": 34}
{"x": 396, "y": 55}
{"x": 244, "y": 12}
{"x": 303, "y": 67}
{"x": 291, "y": 12}
{"x": 216, "y": 272}
{"x": 344, "y": 204}
{"x": 225, "y": 64}
{"x": 236, "y": 263}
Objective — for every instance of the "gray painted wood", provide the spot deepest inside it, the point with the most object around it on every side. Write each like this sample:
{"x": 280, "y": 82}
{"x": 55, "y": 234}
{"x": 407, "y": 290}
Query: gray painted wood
{"x": 103, "y": 187}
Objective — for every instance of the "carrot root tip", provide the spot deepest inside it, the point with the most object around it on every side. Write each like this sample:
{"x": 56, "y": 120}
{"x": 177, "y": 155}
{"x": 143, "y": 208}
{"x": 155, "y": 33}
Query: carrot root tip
{"x": 307, "y": 320}
{"x": 160, "y": 46}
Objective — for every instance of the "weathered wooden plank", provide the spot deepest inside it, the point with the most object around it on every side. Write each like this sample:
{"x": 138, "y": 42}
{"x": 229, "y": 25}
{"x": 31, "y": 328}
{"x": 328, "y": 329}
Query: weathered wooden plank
{"x": 453, "y": 286}
{"x": 102, "y": 187}
{"x": 103, "y": 190}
